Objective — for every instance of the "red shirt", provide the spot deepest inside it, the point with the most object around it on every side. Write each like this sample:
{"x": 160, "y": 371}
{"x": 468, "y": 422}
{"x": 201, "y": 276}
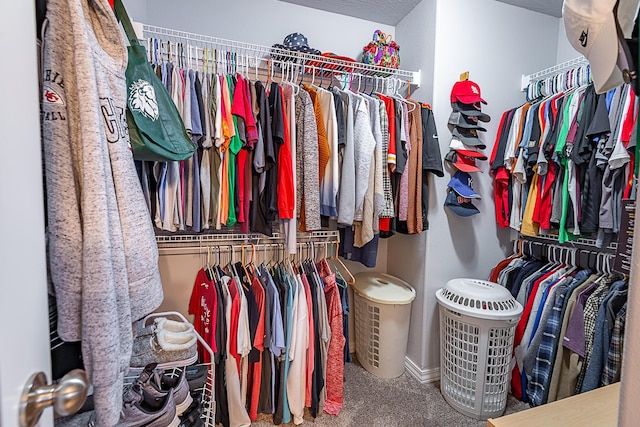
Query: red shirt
{"x": 516, "y": 381}
{"x": 334, "y": 382}
{"x": 242, "y": 201}
{"x": 203, "y": 305}
{"x": 391, "y": 113}
{"x": 286, "y": 193}
{"x": 233, "y": 325}
{"x": 255, "y": 369}
{"x": 544, "y": 203}
{"x": 501, "y": 196}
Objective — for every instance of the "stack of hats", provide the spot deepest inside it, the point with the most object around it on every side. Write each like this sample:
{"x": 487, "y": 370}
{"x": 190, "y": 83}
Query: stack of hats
{"x": 465, "y": 147}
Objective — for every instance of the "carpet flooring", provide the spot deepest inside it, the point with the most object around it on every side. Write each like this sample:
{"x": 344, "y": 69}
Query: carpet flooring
{"x": 370, "y": 401}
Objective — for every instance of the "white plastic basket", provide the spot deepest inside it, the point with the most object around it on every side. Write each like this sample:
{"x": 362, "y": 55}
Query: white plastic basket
{"x": 477, "y": 325}
{"x": 382, "y": 312}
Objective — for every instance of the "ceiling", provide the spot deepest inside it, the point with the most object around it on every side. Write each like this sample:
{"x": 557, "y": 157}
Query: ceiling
{"x": 388, "y": 12}
{"x": 391, "y": 12}
{"x": 548, "y": 7}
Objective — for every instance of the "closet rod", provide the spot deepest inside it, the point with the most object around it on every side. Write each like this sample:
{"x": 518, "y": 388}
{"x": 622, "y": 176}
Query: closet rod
{"x": 556, "y": 69}
{"x": 254, "y": 251}
{"x": 321, "y": 63}
{"x": 581, "y": 243}
{"x": 200, "y": 239}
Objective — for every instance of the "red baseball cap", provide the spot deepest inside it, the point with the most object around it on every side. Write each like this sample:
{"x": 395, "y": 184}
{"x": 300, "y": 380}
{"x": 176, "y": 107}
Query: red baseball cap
{"x": 467, "y": 92}
{"x": 471, "y": 153}
{"x": 462, "y": 162}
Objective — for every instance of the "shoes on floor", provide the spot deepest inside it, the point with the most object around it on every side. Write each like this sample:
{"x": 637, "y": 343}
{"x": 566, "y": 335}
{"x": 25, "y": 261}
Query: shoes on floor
{"x": 136, "y": 411}
{"x": 156, "y": 384}
{"x": 166, "y": 347}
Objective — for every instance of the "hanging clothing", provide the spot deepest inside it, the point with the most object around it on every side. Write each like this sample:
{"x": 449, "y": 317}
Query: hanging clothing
{"x": 83, "y": 112}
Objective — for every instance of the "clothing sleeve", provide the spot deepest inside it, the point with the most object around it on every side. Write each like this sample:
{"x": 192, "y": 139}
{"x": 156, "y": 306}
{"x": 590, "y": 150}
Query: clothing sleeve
{"x": 63, "y": 190}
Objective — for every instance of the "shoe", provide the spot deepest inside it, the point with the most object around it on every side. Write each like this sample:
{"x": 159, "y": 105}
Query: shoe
{"x": 167, "y": 349}
{"x": 156, "y": 384}
{"x": 141, "y": 329}
{"x": 193, "y": 417}
{"x": 172, "y": 325}
{"x": 136, "y": 412}
{"x": 196, "y": 376}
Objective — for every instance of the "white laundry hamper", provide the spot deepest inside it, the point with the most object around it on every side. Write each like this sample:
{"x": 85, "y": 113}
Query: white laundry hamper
{"x": 477, "y": 326}
{"x": 382, "y": 314}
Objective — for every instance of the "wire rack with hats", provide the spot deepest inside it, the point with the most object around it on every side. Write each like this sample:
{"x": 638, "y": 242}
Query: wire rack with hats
{"x": 292, "y": 57}
{"x": 465, "y": 147}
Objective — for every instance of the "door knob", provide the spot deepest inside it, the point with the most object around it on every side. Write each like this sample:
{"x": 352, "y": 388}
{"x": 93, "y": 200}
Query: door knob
{"x": 67, "y": 396}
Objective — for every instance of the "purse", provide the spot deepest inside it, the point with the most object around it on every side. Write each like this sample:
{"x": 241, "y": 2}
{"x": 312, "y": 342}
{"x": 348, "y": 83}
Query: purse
{"x": 382, "y": 51}
{"x": 156, "y": 129}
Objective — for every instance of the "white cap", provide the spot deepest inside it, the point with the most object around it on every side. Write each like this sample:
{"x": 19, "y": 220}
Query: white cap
{"x": 627, "y": 14}
{"x": 591, "y": 29}
{"x": 456, "y": 144}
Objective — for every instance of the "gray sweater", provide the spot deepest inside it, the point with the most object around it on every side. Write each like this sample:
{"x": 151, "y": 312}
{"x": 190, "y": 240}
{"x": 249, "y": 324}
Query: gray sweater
{"x": 103, "y": 260}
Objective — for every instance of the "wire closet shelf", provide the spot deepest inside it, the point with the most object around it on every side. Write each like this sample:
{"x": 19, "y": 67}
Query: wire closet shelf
{"x": 554, "y": 70}
{"x": 263, "y": 57}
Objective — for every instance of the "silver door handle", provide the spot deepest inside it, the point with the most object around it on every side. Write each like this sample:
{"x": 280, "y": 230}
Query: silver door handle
{"x": 67, "y": 396}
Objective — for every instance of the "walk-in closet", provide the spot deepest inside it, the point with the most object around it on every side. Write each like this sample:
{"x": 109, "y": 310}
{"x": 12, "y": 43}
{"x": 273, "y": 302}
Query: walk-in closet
{"x": 287, "y": 212}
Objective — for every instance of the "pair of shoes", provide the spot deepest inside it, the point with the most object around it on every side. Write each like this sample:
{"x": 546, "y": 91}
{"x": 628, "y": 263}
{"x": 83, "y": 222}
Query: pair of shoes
{"x": 136, "y": 412}
{"x": 166, "y": 342}
{"x": 156, "y": 384}
{"x": 138, "y": 409}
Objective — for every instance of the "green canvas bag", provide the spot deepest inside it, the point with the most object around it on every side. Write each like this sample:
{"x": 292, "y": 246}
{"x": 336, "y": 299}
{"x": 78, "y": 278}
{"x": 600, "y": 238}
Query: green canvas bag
{"x": 156, "y": 129}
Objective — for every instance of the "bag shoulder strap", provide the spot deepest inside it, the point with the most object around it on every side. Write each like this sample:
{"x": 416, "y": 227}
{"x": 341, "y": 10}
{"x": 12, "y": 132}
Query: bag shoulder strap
{"x": 121, "y": 15}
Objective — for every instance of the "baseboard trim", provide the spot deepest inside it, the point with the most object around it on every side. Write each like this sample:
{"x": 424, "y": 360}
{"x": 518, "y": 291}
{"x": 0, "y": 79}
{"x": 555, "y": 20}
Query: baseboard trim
{"x": 423, "y": 375}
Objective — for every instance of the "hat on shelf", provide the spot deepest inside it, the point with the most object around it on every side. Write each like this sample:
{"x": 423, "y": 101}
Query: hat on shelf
{"x": 464, "y": 160}
{"x": 468, "y": 122}
{"x": 471, "y": 110}
{"x": 295, "y": 42}
{"x": 460, "y": 205}
{"x": 467, "y": 92}
{"x": 593, "y": 29}
{"x": 461, "y": 183}
{"x": 457, "y": 144}
{"x": 468, "y": 137}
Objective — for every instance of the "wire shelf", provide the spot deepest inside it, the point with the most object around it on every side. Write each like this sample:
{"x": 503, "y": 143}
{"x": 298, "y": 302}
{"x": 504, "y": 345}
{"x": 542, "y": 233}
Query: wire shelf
{"x": 241, "y": 239}
{"x": 312, "y": 63}
{"x": 554, "y": 70}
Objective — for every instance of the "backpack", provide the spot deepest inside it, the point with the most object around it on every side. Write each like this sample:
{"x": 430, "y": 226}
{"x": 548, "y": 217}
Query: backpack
{"x": 382, "y": 51}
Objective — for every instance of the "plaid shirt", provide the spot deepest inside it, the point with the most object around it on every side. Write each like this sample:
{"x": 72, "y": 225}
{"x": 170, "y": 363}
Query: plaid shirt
{"x": 537, "y": 386}
{"x": 591, "y": 307}
{"x": 611, "y": 371}
{"x": 388, "y": 211}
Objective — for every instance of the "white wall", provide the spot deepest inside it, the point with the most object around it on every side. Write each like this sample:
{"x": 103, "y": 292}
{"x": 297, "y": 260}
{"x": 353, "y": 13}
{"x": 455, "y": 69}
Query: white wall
{"x": 485, "y": 38}
{"x": 264, "y": 22}
{"x": 406, "y": 257}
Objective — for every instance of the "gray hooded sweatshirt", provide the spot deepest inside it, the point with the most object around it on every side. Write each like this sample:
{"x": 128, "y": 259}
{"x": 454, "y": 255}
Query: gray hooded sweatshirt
{"x": 103, "y": 259}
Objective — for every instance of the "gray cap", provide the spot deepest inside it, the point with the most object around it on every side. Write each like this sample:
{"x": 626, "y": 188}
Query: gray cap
{"x": 461, "y": 121}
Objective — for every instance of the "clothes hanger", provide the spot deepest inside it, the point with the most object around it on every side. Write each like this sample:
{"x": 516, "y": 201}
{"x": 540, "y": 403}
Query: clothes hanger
{"x": 339, "y": 264}
{"x": 342, "y": 282}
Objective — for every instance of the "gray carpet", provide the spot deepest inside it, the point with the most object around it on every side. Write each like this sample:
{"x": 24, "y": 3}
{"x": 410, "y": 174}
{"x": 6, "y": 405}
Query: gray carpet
{"x": 370, "y": 401}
